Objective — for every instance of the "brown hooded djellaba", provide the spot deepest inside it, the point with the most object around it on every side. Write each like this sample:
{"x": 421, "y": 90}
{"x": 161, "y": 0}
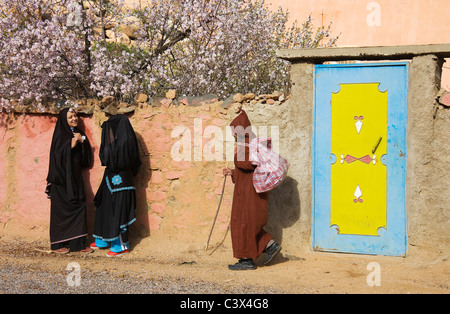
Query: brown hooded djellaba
{"x": 249, "y": 209}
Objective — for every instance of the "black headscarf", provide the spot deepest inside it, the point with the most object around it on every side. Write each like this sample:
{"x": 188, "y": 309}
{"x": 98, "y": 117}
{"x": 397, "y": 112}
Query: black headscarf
{"x": 119, "y": 149}
{"x": 60, "y": 166}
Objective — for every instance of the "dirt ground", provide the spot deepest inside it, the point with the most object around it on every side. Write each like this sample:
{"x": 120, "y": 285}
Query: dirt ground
{"x": 311, "y": 273}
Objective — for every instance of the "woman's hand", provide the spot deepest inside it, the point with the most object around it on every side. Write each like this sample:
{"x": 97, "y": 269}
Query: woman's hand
{"x": 227, "y": 172}
{"x": 77, "y": 138}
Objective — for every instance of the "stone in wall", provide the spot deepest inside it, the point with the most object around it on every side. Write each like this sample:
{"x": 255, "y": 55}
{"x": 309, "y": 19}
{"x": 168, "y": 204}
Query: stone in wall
{"x": 443, "y": 98}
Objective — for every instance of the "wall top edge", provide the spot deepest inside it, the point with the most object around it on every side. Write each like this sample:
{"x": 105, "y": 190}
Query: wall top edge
{"x": 318, "y": 55}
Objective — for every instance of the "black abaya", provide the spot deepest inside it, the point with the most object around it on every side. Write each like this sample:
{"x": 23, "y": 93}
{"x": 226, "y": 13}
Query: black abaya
{"x": 115, "y": 200}
{"x": 65, "y": 187}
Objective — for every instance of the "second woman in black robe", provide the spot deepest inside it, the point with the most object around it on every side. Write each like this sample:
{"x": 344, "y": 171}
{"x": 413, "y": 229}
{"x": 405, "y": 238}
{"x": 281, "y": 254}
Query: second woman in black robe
{"x": 116, "y": 197}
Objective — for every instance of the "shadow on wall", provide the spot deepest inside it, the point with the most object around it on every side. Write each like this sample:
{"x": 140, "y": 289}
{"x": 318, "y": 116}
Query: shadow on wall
{"x": 141, "y": 228}
{"x": 284, "y": 208}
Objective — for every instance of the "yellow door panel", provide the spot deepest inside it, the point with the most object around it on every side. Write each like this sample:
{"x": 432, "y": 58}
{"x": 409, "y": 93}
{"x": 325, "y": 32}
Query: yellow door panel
{"x": 358, "y": 140}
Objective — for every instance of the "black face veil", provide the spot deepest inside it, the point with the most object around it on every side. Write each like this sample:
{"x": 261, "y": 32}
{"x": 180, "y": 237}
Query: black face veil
{"x": 119, "y": 149}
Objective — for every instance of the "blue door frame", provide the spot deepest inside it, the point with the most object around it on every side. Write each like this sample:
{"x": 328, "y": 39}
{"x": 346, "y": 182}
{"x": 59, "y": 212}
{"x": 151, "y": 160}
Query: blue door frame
{"x": 393, "y": 78}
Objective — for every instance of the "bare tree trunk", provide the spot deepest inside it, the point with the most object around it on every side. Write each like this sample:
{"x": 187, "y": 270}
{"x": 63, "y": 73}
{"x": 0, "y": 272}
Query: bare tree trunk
{"x": 102, "y": 18}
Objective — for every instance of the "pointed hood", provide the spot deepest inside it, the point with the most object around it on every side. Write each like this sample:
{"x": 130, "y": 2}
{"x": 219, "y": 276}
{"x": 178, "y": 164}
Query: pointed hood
{"x": 241, "y": 126}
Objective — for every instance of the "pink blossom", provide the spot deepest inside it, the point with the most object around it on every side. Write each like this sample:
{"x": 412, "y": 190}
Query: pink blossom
{"x": 48, "y": 50}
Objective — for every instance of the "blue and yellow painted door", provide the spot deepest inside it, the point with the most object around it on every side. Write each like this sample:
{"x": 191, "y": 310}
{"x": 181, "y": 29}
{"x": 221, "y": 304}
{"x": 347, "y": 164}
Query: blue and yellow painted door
{"x": 359, "y": 158}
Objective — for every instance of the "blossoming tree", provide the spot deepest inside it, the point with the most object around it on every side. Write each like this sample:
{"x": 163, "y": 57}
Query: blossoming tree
{"x": 59, "y": 49}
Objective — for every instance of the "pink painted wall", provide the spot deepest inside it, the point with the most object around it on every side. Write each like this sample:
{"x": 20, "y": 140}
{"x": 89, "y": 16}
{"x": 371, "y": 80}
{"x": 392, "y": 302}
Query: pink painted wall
{"x": 25, "y": 148}
{"x": 401, "y": 22}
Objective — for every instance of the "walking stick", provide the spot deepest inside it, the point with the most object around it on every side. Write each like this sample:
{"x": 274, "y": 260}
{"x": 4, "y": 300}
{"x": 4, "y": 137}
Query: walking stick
{"x": 215, "y": 218}
{"x": 223, "y": 240}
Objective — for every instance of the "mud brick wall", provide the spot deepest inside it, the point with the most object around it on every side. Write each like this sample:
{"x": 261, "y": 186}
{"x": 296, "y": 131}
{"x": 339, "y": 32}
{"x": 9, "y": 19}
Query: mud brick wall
{"x": 176, "y": 199}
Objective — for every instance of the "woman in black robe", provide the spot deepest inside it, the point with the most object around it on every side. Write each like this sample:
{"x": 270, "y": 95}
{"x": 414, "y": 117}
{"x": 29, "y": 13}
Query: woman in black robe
{"x": 116, "y": 197}
{"x": 70, "y": 152}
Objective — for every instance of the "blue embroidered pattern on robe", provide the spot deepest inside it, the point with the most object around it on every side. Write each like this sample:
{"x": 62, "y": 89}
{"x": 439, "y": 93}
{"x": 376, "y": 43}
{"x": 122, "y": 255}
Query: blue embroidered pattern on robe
{"x": 116, "y": 180}
{"x": 118, "y": 189}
